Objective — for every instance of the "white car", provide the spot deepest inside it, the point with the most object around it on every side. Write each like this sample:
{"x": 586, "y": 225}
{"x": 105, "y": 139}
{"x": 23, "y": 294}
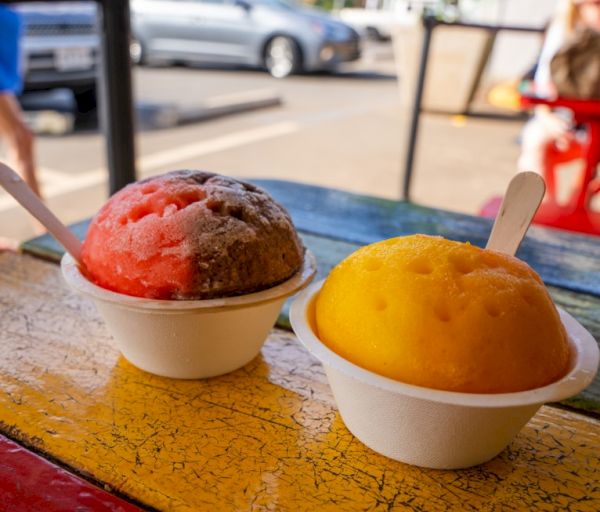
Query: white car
{"x": 377, "y": 20}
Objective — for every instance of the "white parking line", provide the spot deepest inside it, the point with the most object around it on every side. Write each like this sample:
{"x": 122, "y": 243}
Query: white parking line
{"x": 196, "y": 149}
{"x": 56, "y": 183}
{"x": 49, "y": 177}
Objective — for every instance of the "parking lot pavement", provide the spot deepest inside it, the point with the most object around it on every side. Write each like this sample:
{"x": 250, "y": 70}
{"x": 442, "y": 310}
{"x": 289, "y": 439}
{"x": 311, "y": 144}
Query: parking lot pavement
{"x": 341, "y": 130}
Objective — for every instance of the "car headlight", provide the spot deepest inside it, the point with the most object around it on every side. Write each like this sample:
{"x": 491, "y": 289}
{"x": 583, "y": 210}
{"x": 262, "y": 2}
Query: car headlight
{"x": 327, "y": 53}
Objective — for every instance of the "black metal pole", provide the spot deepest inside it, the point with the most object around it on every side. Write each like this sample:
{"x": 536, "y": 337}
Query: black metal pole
{"x": 428, "y": 24}
{"x": 481, "y": 65}
{"x": 116, "y": 113}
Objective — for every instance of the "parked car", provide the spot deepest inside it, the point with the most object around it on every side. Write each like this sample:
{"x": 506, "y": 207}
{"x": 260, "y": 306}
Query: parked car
{"x": 281, "y": 35}
{"x": 61, "y": 49}
{"x": 379, "y": 20}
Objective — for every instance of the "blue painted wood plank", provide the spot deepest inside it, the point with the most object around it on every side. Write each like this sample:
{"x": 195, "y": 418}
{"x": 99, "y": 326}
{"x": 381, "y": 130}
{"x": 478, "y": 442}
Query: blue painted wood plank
{"x": 562, "y": 259}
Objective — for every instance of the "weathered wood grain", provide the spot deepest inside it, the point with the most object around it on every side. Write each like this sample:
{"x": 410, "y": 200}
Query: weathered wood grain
{"x": 266, "y": 437}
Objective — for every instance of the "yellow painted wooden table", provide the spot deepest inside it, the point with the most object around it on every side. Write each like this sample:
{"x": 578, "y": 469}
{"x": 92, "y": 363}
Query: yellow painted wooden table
{"x": 266, "y": 437}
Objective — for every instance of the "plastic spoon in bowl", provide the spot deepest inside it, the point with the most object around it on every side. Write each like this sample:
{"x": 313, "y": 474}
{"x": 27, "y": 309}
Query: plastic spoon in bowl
{"x": 521, "y": 200}
{"x": 17, "y": 188}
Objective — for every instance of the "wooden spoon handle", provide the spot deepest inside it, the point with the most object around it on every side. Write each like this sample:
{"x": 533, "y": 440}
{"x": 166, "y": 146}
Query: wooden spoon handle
{"x": 17, "y": 188}
{"x": 521, "y": 200}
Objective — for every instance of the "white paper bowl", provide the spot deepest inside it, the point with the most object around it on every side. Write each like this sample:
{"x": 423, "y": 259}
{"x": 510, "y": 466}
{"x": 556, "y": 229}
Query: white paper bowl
{"x": 189, "y": 339}
{"x": 428, "y": 427}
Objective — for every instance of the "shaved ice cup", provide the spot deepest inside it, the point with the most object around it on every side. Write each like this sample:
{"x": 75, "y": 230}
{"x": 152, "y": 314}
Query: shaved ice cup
{"x": 429, "y": 427}
{"x": 189, "y": 339}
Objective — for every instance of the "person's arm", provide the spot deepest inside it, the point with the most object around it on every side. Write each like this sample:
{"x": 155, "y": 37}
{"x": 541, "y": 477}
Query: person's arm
{"x": 18, "y": 137}
{"x": 554, "y": 39}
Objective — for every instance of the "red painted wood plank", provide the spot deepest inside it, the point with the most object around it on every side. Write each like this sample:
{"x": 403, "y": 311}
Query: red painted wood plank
{"x": 30, "y": 483}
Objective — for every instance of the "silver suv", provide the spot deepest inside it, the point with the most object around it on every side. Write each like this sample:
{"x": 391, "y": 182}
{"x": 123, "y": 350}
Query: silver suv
{"x": 61, "y": 49}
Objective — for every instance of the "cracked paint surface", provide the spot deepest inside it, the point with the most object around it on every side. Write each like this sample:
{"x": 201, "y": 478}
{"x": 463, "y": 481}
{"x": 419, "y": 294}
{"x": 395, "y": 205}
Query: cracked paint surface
{"x": 266, "y": 437}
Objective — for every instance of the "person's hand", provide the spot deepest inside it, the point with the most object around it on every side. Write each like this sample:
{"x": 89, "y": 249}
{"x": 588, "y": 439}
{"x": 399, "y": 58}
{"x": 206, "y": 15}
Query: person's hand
{"x": 556, "y": 126}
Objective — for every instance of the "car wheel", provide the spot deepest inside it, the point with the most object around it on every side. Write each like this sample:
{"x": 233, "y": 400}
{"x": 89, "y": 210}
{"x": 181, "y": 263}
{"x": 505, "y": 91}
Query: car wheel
{"x": 137, "y": 52}
{"x": 86, "y": 100}
{"x": 86, "y": 103}
{"x": 374, "y": 34}
{"x": 282, "y": 57}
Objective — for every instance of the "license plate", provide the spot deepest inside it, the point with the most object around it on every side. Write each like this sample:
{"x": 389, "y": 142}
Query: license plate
{"x": 70, "y": 59}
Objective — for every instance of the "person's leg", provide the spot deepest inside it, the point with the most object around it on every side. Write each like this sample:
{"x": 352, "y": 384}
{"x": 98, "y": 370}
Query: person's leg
{"x": 19, "y": 139}
{"x": 20, "y": 145}
{"x": 533, "y": 143}
{"x": 542, "y": 129}
{"x": 21, "y": 152}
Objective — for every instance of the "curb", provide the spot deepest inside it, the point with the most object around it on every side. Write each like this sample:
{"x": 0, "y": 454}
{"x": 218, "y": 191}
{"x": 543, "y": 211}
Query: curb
{"x": 161, "y": 116}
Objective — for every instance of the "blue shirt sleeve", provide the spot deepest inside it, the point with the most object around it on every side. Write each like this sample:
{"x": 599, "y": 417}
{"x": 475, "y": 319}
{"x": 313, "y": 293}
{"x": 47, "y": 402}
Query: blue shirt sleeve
{"x": 10, "y": 32}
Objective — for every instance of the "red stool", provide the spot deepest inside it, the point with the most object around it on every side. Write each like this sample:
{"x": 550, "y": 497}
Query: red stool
{"x": 577, "y": 215}
{"x": 555, "y": 156}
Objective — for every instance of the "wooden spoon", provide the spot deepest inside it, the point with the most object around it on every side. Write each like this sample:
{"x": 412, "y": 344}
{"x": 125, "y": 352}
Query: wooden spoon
{"x": 521, "y": 200}
{"x": 17, "y": 188}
